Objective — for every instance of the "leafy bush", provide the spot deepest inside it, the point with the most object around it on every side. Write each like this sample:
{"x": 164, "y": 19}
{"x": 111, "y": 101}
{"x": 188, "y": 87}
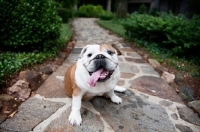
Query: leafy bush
{"x": 176, "y": 33}
{"x": 154, "y": 12}
{"x": 11, "y": 62}
{"x": 90, "y": 10}
{"x": 28, "y": 24}
{"x": 65, "y": 14}
{"x": 142, "y": 9}
{"x": 69, "y": 3}
{"x": 106, "y": 16}
{"x": 57, "y": 4}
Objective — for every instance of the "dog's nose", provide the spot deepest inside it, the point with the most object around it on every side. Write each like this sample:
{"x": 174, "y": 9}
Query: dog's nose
{"x": 100, "y": 57}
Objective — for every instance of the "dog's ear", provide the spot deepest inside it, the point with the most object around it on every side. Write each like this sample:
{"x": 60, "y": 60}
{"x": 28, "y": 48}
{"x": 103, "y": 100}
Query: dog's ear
{"x": 117, "y": 49}
{"x": 83, "y": 51}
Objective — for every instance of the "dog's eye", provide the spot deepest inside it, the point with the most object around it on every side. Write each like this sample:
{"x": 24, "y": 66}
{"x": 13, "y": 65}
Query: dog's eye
{"x": 89, "y": 55}
{"x": 110, "y": 52}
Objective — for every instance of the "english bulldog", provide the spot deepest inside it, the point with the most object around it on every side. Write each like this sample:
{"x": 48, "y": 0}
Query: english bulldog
{"x": 96, "y": 73}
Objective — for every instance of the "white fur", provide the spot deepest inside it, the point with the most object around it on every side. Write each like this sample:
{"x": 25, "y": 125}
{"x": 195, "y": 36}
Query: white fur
{"x": 75, "y": 116}
{"x": 120, "y": 89}
{"x": 114, "y": 98}
{"x": 81, "y": 76}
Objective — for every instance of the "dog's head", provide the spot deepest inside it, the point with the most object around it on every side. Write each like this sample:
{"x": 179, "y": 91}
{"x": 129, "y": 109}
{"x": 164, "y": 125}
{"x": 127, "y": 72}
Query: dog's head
{"x": 100, "y": 61}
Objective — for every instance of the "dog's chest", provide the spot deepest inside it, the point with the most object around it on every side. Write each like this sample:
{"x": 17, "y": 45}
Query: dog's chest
{"x": 99, "y": 90}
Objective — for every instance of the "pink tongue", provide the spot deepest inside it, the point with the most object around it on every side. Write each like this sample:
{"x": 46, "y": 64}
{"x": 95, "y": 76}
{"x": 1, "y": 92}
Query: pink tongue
{"x": 94, "y": 77}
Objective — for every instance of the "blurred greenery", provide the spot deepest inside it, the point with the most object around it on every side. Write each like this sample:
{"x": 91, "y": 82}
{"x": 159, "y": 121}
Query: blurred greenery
{"x": 106, "y": 15}
{"x": 178, "y": 34}
{"x": 113, "y": 25}
{"x": 11, "y": 62}
{"x": 90, "y": 10}
{"x": 28, "y": 25}
{"x": 66, "y": 14}
{"x": 142, "y": 9}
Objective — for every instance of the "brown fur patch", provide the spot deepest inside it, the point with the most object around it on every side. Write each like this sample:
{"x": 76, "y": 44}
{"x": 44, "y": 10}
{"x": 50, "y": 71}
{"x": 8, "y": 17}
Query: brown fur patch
{"x": 76, "y": 91}
{"x": 105, "y": 95}
{"x": 86, "y": 97}
{"x": 71, "y": 87}
{"x": 107, "y": 46}
{"x": 117, "y": 49}
{"x": 111, "y": 47}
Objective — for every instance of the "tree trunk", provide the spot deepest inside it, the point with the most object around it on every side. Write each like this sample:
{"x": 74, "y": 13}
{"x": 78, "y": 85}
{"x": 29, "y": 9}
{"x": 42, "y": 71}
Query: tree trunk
{"x": 108, "y": 8}
{"x": 76, "y": 6}
{"x": 154, "y": 4}
{"x": 122, "y": 8}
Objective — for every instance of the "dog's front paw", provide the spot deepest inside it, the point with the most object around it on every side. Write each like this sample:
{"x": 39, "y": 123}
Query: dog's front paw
{"x": 75, "y": 118}
{"x": 120, "y": 89}
{"x": 116, "y": 99}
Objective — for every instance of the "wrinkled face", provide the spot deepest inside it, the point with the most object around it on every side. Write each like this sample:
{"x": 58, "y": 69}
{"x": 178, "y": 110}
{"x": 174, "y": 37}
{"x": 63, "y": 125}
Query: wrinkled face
{"x": 100, "y": 61}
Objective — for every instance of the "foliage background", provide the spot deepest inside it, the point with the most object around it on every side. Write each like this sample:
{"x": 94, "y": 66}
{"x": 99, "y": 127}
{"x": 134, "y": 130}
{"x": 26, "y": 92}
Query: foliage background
{"x": 28, "y": 24}
{"x": 31, "y": 31}
{"x": 176, "y": 33}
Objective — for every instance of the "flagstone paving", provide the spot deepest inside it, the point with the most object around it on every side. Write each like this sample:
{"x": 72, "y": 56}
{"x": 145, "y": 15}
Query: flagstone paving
{"x": 149, "y": 103}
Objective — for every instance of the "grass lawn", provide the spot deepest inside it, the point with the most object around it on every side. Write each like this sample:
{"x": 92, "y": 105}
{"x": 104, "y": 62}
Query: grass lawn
{"x": 65, "y": 34}
{"x": 112, "y": 25}
{"x": 11, "y": 62}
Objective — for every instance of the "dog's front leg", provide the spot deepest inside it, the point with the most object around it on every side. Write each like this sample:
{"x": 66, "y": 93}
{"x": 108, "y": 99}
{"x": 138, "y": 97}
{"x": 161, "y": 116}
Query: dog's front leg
{"x": 75, "y": 115}
{"x": 114, "y": 98}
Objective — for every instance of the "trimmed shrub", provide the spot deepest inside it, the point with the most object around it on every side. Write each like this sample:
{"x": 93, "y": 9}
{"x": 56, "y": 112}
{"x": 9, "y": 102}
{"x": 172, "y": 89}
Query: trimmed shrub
{"x": 90, "y": 10}
{"x": 65, "y": 14}
{"x": 69, "y": 4}
{"x": 142, "y": 9}
{"x": 177, "y": 33}
{"x": 28, "y": 24}
{"x": 106, "y": 16}
{"x": 154, "y": 12}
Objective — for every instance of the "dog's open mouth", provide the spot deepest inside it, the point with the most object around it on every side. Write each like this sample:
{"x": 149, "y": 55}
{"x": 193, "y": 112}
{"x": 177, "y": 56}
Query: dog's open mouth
{"x": 100, "y": 75}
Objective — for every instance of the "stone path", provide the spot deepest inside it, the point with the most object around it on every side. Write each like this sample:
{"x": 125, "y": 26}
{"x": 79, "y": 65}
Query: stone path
{"x": 149, "y": 103}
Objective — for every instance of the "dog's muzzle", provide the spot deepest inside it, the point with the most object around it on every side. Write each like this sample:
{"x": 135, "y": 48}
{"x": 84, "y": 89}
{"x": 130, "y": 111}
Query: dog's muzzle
{"x": 101, "y": 72}
{"x": 100, "y": 61}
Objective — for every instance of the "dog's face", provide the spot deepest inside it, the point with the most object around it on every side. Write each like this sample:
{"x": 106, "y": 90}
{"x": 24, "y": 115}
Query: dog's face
{"x": 100, "y": 61}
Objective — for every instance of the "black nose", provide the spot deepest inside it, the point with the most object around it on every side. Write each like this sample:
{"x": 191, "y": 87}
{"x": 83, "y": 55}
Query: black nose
{"x": 100, "y": 57}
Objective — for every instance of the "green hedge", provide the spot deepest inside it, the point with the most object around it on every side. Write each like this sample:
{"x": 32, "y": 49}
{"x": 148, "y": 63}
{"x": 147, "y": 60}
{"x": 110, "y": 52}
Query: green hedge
{"x": 142, "y": 9}
{"x": 90, "y": 10}
{"x": 176, "y": 33}
{"x": 66, "y": 14}
{"x": 106, "y": 16}
{"x": 28, "y": 24}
